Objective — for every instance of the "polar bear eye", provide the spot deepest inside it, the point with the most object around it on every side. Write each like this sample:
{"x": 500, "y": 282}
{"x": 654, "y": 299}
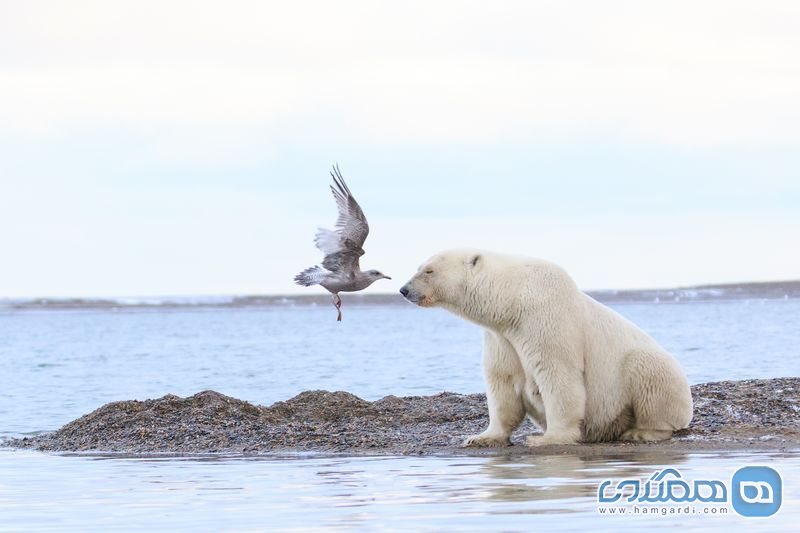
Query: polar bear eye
{"x": 429, "y": 271}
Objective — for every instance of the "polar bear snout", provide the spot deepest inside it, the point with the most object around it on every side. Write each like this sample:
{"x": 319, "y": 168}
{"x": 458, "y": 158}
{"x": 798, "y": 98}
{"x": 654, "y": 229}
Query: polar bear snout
{"x": 413, "y": 296}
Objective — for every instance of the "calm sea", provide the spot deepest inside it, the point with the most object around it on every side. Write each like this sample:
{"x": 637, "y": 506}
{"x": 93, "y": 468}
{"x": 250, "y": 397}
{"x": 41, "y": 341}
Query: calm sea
{"x": 56, "y": 365}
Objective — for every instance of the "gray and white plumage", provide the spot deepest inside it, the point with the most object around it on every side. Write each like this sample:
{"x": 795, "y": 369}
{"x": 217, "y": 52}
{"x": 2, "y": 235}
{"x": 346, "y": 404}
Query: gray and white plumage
{"x": 343, "y": 246}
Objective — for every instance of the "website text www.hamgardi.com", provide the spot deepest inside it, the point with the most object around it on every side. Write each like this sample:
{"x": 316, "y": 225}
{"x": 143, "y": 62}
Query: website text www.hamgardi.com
{"x": 663, "y": 510}
{"x": 753, "y": 491}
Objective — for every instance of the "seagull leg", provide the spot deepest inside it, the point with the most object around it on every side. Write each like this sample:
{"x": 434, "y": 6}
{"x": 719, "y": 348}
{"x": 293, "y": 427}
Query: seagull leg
{"x": 338, "y": 303}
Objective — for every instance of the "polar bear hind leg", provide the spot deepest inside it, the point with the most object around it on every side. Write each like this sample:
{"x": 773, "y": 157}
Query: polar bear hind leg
{"x": 659, "y": 403}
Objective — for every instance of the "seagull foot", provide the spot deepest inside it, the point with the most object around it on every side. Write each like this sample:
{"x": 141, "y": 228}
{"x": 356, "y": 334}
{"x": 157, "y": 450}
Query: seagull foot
{"x": 338, "y": 303}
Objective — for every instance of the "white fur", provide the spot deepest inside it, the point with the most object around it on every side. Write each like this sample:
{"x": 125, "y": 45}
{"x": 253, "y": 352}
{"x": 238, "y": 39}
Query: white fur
{"x": 578, "y": 369}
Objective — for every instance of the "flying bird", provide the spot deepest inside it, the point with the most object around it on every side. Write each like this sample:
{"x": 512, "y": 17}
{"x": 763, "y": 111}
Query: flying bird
{"x": 340, "y": 271}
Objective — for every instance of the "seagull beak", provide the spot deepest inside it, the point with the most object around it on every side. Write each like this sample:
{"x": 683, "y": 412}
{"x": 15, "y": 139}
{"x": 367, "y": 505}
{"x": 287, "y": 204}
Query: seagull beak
{"x": 386, "y": 277}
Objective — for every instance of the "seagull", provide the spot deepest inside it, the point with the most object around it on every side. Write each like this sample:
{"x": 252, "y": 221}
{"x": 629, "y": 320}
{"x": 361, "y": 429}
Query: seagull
{"x": 340, "y": 271}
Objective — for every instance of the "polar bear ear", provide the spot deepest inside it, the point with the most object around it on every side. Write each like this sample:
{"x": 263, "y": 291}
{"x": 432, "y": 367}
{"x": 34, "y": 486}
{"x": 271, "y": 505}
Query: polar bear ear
{"x": 474, "y": 260}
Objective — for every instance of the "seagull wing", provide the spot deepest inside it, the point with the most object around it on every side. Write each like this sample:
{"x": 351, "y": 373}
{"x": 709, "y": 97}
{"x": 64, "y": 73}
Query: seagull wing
{"x": 342, "y": 247}
{"x": 351, "y": 223}
{"x": 344, "y": 262}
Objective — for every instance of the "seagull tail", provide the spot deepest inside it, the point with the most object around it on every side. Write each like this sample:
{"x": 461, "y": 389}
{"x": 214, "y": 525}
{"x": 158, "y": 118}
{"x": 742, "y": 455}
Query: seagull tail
{"x": 310, "y": 276}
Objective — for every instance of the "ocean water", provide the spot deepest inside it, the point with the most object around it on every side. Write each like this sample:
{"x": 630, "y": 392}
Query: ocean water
{"x": 56, "y": 365}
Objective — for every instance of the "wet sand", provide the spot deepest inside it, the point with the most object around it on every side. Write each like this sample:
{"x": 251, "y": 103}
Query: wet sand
{"x": 761, "y": 414}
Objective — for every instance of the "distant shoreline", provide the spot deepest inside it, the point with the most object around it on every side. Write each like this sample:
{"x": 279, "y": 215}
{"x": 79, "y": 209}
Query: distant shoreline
{"x": 770, "y": 290}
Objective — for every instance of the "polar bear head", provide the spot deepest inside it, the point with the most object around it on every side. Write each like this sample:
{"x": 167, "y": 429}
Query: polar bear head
{"x": 444, "y": 280}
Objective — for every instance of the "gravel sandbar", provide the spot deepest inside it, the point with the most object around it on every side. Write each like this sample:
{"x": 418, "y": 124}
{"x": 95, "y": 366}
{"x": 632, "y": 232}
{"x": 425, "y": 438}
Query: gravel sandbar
{"x": 748, "y": 414}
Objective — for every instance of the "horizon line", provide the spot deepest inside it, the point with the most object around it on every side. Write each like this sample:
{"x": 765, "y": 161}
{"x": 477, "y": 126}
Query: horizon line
{"x": 707, "y": 286}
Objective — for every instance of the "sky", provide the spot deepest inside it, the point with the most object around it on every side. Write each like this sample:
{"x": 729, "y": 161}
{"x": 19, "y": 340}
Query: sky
{"x": 183, "y": 147}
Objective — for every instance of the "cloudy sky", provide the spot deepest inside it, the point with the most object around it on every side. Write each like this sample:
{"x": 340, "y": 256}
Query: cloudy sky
{"x": 169, "y": 147}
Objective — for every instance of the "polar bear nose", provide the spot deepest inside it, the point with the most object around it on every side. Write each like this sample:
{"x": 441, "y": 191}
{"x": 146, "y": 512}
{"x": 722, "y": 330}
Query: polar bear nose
{"x": 404, "y": 291}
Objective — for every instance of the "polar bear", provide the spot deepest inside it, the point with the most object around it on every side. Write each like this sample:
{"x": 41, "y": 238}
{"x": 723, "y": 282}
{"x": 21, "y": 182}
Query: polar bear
{"x": 581, "y": 371}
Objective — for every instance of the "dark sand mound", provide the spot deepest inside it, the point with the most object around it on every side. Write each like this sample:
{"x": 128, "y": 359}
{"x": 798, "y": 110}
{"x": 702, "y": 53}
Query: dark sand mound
{"x": 728, "y": 415}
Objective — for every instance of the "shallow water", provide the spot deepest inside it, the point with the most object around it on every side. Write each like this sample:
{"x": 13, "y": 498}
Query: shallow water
{"x": 40, "y": 491}
{"x": 58, "y": 365}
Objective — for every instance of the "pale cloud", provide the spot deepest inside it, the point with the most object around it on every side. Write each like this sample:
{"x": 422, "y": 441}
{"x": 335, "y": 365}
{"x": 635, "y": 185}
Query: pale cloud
{"x": 175, "y": 147}
{"x": 208, "y": 240}
{"x": 610, "y": 251}
{"x": 688, "y": 74}
{"x": 146, "y": 240}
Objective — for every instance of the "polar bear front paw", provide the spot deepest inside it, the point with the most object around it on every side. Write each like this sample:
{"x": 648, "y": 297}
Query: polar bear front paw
{"x": 486, "y": 440}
